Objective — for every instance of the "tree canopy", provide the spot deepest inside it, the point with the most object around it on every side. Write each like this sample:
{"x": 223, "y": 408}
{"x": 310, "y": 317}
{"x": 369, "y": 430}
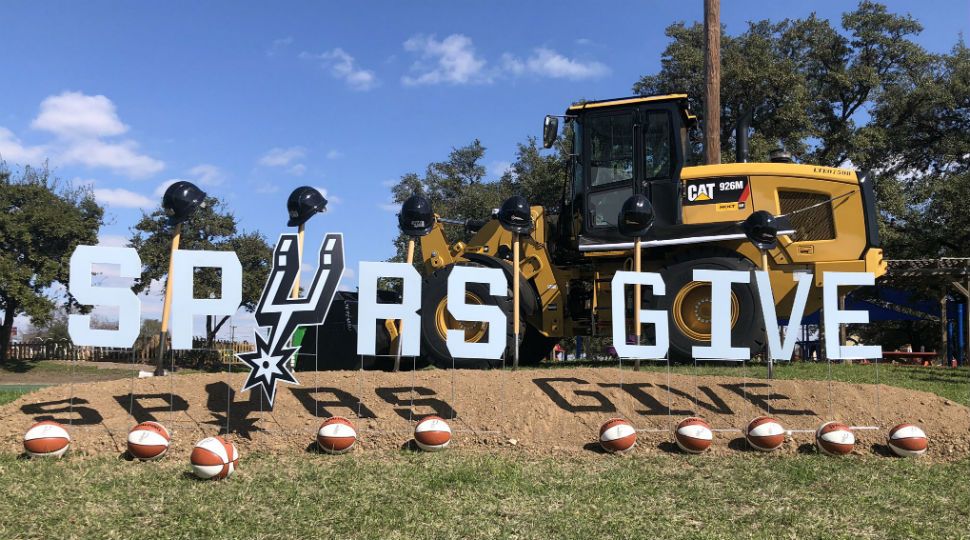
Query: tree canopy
{"x": 211, "y": 227}
{"x": 42, "y": 220}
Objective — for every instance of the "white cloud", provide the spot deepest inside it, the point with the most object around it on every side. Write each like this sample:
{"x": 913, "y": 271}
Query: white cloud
{"x": 281, "y": 157}
{"x": 266, "y": 187}
{"x": 334, "y": 154}
{"x": 278, "y": 45}
{"x": 343, "y": 66}
{"x": 121, "y": 156}
{"x": 82, "y": 126}
{"x": 451, "y": 60}
{"x": 112, "y": 240}
{"x": 297, "y": 170}
{"x": 122, "y": 198}
{"x": 207, "y": 175}
{"x": 12, "y": 150}
{"x": 546, "y": 62}
{"x": 73, "y": 114}
{"x": 497, "y": 168}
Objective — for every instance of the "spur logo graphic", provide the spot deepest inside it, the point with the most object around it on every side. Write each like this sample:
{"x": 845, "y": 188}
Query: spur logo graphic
{"x": 281, "y": 314}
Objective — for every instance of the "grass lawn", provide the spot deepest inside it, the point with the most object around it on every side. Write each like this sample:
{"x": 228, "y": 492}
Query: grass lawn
{"x": 462, "y": 495}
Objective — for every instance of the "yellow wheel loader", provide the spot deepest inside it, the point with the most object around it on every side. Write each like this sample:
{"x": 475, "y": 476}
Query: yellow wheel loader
{"x": 639, "y": 145}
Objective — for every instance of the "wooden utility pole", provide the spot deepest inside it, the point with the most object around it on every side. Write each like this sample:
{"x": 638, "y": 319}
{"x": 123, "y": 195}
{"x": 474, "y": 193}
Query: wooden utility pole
{"x": 712, "y": 82}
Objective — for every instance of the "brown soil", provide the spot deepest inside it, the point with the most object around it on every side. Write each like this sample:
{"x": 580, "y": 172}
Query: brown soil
{"x": 535, "y": 411}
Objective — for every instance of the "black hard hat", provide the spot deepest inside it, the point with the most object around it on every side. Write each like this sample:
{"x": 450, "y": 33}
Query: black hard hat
{"x": 636, "y": 216}
{"x": 416, "y": 217}
{"x": 515, "y": 215}
{"x": 303, "y": 203}
{"x": 761, "y": 229}
{"x": 181, "y": 199}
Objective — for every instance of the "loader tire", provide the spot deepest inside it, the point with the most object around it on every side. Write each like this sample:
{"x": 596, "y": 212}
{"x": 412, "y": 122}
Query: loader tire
{"x": 688, "y": 306}
{"x": 436, "y": 321}
{"x": 535, "y": 346}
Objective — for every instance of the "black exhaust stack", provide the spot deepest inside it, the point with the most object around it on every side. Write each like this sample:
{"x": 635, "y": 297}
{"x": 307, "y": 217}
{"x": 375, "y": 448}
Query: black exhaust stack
{"x": 741, "y": 137}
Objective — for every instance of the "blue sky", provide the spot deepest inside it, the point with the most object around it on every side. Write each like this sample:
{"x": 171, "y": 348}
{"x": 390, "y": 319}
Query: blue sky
{"x": 251, "y": 100}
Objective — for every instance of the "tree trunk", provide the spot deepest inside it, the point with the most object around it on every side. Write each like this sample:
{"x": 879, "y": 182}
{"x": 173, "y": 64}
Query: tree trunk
{"x": 5, "y": 329}
{"x": 211, "y": 330}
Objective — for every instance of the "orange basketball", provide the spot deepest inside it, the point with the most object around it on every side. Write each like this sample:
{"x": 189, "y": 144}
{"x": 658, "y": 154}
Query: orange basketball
{"x": 214, "y": 458}
{"x": 617, "y": 436}
{"x": 46, "y": 439}
{"x": 148, "y": 440}
{"x": 336, "y": 435}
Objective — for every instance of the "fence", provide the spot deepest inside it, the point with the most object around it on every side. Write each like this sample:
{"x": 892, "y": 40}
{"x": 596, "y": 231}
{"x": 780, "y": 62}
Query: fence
{"x": 221, "y": 352}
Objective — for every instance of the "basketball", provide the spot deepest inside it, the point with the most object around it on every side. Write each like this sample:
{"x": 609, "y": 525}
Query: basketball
{"x": 432, "y": 434}
{"x": 46, "y": 439}
{"x": 907, "y": 440}
{"x": 336, "y": 435}
{"x": 148, "y": 440}
{"x": 835, "y": 439}
{"x": 694, "y": 435}
{"x": 764, "y": 433}
{"x": 214, "y": 458}
{"x": 617, "y": 436}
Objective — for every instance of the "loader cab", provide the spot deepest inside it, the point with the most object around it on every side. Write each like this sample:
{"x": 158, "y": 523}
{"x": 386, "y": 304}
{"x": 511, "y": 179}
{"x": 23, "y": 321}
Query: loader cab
{"x": 621, "y": 147}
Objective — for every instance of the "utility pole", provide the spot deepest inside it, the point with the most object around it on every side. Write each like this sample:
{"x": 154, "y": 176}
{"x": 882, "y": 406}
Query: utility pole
{"x": 712, "y": 82}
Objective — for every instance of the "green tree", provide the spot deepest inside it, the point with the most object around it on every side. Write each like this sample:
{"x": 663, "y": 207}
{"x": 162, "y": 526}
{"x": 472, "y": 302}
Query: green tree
{"x": 212, "y": 227}
{"x": 807, "y": 85}
{"x": 41, "y": 222}
{"x": 458, "y": 190}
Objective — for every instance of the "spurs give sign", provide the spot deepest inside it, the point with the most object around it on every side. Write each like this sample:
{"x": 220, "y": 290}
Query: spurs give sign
{"x": 278, "y": 314}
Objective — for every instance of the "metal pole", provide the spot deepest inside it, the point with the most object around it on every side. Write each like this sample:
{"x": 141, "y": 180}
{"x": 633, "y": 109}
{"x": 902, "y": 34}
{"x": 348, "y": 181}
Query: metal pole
{"x": 637, "y": 298}
{"x": 712, "y": 82}
{"x": 771, "y": 362}
{"x": 944, "y": 356}
{"x": 515, "y": 298}
{"x": 167, "y": 306}
{"x": 400, "y": 324}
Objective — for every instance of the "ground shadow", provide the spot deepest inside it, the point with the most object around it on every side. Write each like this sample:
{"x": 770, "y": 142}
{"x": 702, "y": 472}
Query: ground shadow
{"x": 594, "y": 447}
{"x": 740, "y": 444}
{"x": 669, "y": 447}
{"x": 47, "y": 409}
{"x": 237, "y": 419}
{"x": 410, "y": 446}
{"x": 882, "y": 450}
{"x": 133, "y": 402}
{"x": 807, "y": 449}
{"x": 604, "y": 405}
{"x": 342, "y": 399}
{"x": 404, "y": 404}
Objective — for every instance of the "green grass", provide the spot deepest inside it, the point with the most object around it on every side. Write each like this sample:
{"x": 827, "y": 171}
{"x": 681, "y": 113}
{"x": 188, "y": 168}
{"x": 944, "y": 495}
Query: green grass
{"x": 454, "y": 495}
{"x": 10, "y": 392}
{"x": 59, "y": 368}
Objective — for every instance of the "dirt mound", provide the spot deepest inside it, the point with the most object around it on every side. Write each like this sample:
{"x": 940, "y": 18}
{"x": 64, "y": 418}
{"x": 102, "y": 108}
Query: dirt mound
{"x": 555, "y": 411}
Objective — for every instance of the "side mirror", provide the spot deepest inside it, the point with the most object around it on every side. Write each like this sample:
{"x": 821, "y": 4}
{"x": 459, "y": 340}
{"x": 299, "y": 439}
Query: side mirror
{"x": 550, "y": 131}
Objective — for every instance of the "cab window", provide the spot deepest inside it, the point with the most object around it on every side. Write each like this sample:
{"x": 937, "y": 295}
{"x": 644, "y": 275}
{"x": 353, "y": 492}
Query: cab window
{"x": 611, "y": 149}
{"x": 656, "y": 146}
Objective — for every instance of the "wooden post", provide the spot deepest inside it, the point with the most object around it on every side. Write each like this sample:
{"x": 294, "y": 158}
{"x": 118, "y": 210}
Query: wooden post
{"x": 515, "y": 298}
{"x": 167, "y": 305}
{"x": 400, "y": 324}
{"x": 771, "y": 362}
{"x": 296, "y": 282}
{"x": 712, "y": 82}
{"x": 637, "y": 298}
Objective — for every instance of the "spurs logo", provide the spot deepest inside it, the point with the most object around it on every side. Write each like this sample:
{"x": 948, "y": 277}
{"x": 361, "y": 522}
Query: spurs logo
{"x": 281, "y": 315}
